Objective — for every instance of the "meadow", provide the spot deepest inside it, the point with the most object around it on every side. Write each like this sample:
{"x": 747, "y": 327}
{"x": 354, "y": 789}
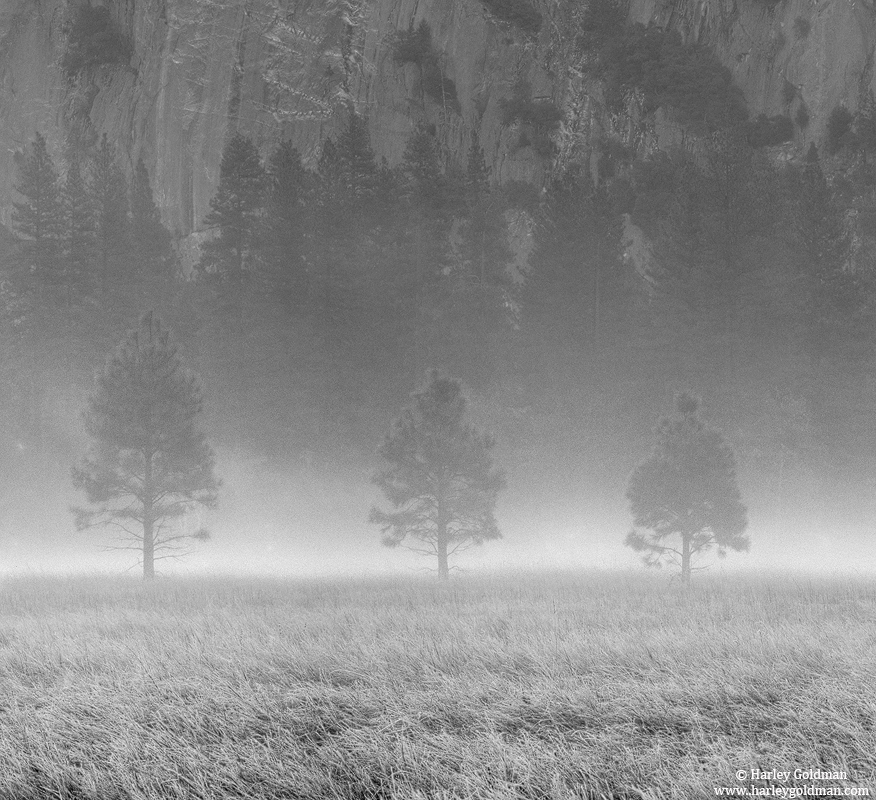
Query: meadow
{"x": 550, "y": 685}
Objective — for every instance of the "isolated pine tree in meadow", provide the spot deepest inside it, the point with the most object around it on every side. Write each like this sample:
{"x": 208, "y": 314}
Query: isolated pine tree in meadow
{"x": 440, "y": 482}
{"x": 235, "y": 211}
{"x": 685, "y": 494}
{"x": 148, "y": 463}
{"x": 39, "y": 220}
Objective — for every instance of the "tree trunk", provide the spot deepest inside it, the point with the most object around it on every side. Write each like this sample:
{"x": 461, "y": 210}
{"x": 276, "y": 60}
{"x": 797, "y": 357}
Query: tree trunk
{"x": 148, "y": 551}
{"x": 443, "y": 569}
{"x": 148, "y": 524}
{"x": 441, "y": 531}
{"x": 685, "y": 559}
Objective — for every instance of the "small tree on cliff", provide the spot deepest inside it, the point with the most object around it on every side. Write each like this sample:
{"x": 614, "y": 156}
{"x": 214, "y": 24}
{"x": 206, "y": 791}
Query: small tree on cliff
{"x": 686, "y": 490}
{"x": 148, "y": 463}
{"x": 440, "y": 480}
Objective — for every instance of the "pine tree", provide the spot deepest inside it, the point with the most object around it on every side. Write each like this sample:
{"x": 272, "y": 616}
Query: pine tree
{"x": 839, "y": 303}
{"x": 481, "y": 292}
{"x": 475, "y": 184}
{"x": 712, "y": 226}
{"x": 355, "y": 166}
{"x": 148, "y": 463}
{"x": 235, "y": 212}
{"x": 348, "y": 210}
{"x": 109, "y": 191}
{"x": 39, "y": 220}
{"x": 483, "y": 255}
{"x": 150, "y": 239}
{"x": 837, "y": 316}
{"x": 576, "y": 297}
{"x": 686, "y": 278}
{"x": 421, "y": 169}
{"x": 441, "y": 481}
{"x": 864, "y": 125}
{"x": 287, "y": 220}
{"x": 687, "y": 489}
{"x": 34, "y": 298}
{"x": 80, "y": 246}
{"x": 477, "y": 173}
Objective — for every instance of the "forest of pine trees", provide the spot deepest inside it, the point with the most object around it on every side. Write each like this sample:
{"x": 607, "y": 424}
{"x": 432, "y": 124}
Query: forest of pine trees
{"x": 323, "y": 294}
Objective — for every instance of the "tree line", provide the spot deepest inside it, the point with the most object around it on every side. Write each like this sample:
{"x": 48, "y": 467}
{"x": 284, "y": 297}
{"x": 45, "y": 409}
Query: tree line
{"x": 321, "y": 294}
{"x": 149, "y": 464}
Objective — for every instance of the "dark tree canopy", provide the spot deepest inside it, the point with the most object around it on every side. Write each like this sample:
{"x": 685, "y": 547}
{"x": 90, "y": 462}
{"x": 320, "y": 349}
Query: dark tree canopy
{"x": 440, "y": 482}
{"x": 79, "y": 229}
{"x": 152, "y": 241}
{"x": 109, "y": 189}
{"x": 148, "y": 464}
{"x": 235, "y": 211}
{"x": 286, "y": 228}
{"x": 686, "y": 489}
{"x": 39, "y": 219}
{"x": 349, "y": 164}
{"x": 421, "y": 169}
{"x": 94, "y": 38}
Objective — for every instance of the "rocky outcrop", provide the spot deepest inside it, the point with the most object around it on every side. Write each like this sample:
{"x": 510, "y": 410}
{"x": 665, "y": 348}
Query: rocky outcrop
{"x": 275, "y": 69}
{"x": 816, "y": 52}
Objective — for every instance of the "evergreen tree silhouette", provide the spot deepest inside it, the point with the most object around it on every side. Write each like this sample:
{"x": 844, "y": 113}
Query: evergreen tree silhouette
{"x": 148, "y": 463}
{"x": 440, "y": 482}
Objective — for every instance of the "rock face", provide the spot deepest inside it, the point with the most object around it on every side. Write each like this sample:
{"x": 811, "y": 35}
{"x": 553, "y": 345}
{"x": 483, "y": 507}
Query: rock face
{"x": 821, "y": 51}
{"x": 275, "y": 69}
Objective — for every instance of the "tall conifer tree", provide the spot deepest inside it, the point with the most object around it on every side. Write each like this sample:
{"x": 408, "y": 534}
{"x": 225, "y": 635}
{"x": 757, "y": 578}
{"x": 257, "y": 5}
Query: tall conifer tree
{"x": 685, "y": 494}
{"x": 441, "y": 481}
{"x": 39, "y": 219}
{"x": 287, "y": 221}
{"x": 80, "y": 247}
{"x": 349, "y": 184}
{"x": 148, "y": 464}
{"x": 150, "y": 239}
{"x": 235, "y": 212}
{"x": 421, "y": 168}
{"x": 356, "y": 166}
{"x": 109, "y": 191}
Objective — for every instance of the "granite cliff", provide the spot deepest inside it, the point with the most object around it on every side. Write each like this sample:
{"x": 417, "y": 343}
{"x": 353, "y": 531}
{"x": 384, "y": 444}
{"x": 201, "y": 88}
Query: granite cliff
{"x": 275, "y": 69}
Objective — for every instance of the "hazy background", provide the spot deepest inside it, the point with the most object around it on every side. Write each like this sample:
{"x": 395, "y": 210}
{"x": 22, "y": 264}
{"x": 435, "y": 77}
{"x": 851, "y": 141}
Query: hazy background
{"x": 727, "y": 259}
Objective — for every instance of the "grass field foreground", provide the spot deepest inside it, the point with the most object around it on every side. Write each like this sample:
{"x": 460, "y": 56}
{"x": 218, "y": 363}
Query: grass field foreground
{"x": 592, "y": 685}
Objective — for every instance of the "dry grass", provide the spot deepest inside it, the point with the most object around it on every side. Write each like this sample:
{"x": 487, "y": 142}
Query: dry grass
{"x": 537, "y": 686}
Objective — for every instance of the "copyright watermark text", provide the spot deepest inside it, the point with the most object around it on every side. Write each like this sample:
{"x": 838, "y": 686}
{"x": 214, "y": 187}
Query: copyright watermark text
{"x": 804, "y": 783}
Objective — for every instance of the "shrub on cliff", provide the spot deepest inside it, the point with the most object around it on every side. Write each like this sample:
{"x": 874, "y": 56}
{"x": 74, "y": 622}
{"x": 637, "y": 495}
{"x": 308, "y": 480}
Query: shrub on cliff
{"x": 839, "y": 128}
{"x": 537, "y": 118}
{"x": 520, "y": 13}
{"x": 541, "y": 114}
{"x": 93, "y": 39}
{"x": 670, "y": 73}
{"x": 414, "y": 46}
{"x": 601, "y": 21}
{"x": 802, "y": 116}
{"x": 766, "y": 131}
{"x": 802, "y": 27}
